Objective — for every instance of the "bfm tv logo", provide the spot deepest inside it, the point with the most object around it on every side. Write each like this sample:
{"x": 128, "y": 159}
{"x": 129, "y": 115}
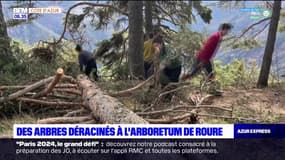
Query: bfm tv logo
{"x": 22, "y": 13}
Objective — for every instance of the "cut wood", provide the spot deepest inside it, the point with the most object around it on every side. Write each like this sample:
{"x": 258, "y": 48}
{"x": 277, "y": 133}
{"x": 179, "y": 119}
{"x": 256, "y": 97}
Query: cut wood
{"x": 56, "y": 79}
{"x": 105, "y": 108}
{"x": 26, "y": 90}
{"x": 49, "y": 103}
{"x": 129, "y": 91}
{"x": 64, "y": 120}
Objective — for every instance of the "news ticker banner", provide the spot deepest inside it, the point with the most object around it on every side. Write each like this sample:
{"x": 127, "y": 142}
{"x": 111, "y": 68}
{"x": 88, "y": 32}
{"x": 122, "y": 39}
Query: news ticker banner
{"x": 148, "y": 131}
{"x": 23, "y": 13}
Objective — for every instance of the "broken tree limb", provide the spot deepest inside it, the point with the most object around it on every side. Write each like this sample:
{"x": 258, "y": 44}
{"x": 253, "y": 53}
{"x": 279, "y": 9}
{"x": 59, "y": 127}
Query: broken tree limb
{"x": 64, "y": 120}
{"x": 236, "y": 118}
{"x": 105, "y": 108}
{"x": 49, "y": 103}
{"x": 181, "y": 107}
{"x": 89, "y": 122}
{"x": 69, "y": 79}
{"x": 129, "y": 91}
{"x": 66, "y": 86}
{"x": 56, "y": 79}
{"x": 173, "y": 119}
{"x": 26, "y": 90}
{"x": 24, "y": 86}
{"x": 76, "y": 112}
{"x": 67, "y": 90}
{"x": 12, "y": 87}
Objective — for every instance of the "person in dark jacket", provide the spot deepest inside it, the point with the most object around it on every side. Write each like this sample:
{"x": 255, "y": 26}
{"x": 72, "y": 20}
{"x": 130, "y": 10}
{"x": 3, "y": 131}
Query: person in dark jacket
{"x": 87, "y": 61}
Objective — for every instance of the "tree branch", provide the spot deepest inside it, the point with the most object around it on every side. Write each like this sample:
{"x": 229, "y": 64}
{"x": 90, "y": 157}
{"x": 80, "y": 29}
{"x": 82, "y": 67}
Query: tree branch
{"x": 64, "y": 120}
{"x": 261, "y": 30}
{"x": 247, "y": 29}
{"x": 49, "y": 103}
{"x": 84, "y": 3}
{"x": 129, "y": 91}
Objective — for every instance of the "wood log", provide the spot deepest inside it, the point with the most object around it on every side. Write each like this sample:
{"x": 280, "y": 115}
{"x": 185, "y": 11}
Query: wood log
{"x": 64, "y": 120}
{"x": 26, "y": 90}
{"x": 105, "y": 108}
{"x": 49, "y": 103}
{"x": 56, "y": 79}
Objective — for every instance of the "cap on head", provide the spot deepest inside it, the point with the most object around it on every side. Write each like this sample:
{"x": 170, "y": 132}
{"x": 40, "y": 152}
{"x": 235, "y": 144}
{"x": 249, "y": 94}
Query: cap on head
{"x": 78, "y": 48}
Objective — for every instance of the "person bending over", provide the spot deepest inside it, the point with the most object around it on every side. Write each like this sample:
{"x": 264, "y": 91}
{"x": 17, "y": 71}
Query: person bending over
{"x": 87, "y": 62}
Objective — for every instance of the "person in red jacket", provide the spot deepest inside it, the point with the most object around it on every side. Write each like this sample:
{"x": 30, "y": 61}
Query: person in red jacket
{"x": 206, "y": 54}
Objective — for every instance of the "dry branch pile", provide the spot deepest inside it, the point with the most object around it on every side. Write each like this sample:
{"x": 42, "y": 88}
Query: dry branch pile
{"x": 83, "y": 100}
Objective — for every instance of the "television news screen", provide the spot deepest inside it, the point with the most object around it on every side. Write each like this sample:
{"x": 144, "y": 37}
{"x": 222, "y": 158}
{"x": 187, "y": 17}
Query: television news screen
{"x": 142, "y": 80}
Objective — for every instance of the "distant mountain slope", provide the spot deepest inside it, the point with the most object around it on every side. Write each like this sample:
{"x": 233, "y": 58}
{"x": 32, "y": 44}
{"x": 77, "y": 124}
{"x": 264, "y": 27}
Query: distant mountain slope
{"x": 49, "y": 26}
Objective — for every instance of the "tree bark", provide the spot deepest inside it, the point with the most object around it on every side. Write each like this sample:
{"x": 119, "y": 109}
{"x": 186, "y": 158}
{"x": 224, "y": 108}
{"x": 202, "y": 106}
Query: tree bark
{"x": 105, "y": 108}
{"x": 148, "y": 17}
{"x": 135, "y": 54}
{"x": 269, "y": 49}
{"x": 4, "y": 40}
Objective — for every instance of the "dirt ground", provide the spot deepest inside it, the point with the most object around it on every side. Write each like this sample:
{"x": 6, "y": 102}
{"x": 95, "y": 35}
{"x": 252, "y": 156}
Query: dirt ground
{"x": 267, "y": 103}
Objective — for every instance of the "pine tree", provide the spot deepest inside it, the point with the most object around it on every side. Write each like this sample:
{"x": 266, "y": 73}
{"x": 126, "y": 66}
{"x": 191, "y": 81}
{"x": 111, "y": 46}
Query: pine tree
{"x": 269, "y": 49}
{"x": 135, "y": 53}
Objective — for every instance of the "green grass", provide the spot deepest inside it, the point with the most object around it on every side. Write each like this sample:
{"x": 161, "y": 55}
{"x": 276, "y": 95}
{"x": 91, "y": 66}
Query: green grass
{"x": 6, "y": 125}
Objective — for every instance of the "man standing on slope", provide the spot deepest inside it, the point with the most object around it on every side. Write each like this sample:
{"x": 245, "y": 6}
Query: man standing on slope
{"x": 206, "y": 54}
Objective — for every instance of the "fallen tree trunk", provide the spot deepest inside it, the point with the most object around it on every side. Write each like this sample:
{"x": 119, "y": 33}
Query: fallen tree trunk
{"x": 48, "y": 89}
{"x": 105, "y": 108}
